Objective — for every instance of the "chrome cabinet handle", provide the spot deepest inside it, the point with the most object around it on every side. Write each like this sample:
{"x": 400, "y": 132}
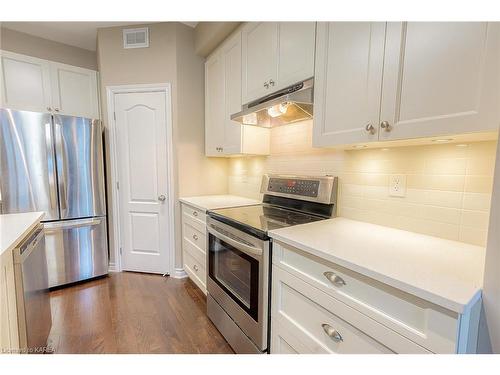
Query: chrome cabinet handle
{"x": 195, "y": 237}
{"x": 195, "y": 267}
{"x": 332, "y": 332}
{"x": 370, "y": 129}
{"x": 266, "y": 85}
{"x": 334, "y": 278}
{"x": 271, "y": 82}
{"x": 195, "y": 213}
{"x": 386, "y": 126}
{"x": 162, "y": 198}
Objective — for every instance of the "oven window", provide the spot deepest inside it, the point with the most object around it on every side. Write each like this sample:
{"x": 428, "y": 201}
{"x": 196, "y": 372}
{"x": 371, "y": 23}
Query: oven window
{"x": 236, "y": 273}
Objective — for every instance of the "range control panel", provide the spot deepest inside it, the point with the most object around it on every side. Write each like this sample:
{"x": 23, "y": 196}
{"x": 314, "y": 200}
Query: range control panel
{"x": 306, "y": 188}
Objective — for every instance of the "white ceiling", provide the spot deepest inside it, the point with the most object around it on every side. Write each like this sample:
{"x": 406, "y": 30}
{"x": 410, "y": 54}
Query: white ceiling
{"x": 78, "y": 34}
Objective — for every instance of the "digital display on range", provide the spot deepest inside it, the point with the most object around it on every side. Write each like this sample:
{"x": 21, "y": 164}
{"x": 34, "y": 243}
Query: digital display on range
{"x": 307, "y": 188}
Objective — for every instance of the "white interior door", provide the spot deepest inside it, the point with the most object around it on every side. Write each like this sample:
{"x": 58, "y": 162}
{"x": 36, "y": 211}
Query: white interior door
{"x": 141, "y": 136}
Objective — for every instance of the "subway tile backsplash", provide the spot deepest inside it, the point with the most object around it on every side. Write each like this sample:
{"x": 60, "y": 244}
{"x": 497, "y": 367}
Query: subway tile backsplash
{"x": 448, "y": 186}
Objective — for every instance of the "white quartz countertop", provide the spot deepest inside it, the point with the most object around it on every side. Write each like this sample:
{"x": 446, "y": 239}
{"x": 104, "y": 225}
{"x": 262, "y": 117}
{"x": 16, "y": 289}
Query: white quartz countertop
{"x": 212, "y": 202}
{"x": 15, "y": 227}
{"x": 447, "y": 273}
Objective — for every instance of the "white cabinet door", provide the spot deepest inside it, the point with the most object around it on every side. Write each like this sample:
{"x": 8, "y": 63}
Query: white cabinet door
{"x": 214, "y": 105}
{"x": 259, "y": 59}
{"x": 25, "y": 82}
{"x": 231, "y": 55}
{"x": 348, "y": 78}
{"x": 295, "y": 52}
{"x": 440, "y": 78}
{"x": 74, "y": 91}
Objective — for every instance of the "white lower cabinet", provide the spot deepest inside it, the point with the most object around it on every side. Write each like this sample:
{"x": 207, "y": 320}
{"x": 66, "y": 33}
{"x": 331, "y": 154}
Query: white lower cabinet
{"x": 320, "y": 307}
{"x": 194, "y": 245}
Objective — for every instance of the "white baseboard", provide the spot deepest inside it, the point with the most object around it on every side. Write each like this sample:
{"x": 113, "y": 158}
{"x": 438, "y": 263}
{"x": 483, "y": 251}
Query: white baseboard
{"x": 112, "y": 267}
{"x": 179, "y": 273}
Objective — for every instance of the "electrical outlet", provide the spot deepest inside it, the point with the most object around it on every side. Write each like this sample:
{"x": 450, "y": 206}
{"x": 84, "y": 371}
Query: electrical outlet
{"x": 397, "y": 185}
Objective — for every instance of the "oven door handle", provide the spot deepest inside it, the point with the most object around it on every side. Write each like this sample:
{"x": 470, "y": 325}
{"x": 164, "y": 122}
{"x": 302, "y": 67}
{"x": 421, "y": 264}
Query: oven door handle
{"x": 250, "y": 250}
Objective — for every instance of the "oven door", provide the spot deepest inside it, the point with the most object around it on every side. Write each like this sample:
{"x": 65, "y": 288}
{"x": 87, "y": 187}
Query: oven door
{"x": 238, "y": 278}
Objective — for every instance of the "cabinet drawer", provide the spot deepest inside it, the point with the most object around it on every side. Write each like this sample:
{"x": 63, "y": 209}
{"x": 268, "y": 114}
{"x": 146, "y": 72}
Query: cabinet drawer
{"x": 195, "y": 270}
{"x": 298, "y": 313}
{"x": 424, "y": 323}
{"x": 195, "y": 214}
{"x": 194, "y": 235}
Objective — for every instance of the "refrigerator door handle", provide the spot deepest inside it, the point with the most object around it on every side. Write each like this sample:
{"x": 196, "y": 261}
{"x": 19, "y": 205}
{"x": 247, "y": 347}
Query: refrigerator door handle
{"x": 50, "y": 227}
{"x": 51, "y": 164}
{"x": 61, "y": 165}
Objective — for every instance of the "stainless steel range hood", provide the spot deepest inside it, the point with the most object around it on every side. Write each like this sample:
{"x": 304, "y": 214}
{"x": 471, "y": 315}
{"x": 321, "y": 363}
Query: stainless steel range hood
{"x": 292, "y": 104}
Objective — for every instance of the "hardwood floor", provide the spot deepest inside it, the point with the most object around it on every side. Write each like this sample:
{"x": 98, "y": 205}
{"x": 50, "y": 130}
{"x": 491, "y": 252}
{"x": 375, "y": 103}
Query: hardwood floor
{"x": 133, "y": 313}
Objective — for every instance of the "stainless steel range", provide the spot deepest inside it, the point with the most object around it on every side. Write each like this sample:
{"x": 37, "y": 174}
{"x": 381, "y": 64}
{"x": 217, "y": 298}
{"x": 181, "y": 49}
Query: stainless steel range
{"x": 239, "y": 254}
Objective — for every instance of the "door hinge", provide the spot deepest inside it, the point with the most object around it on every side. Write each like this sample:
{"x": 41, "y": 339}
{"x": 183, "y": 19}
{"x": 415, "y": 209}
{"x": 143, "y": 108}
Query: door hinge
{"x": 117, "y": 185}
{"x": 114, "y": 115}
{"x": 120, "y": 251}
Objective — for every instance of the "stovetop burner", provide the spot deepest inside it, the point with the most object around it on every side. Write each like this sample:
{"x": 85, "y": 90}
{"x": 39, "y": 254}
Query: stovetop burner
{"x": 261, "y": 218}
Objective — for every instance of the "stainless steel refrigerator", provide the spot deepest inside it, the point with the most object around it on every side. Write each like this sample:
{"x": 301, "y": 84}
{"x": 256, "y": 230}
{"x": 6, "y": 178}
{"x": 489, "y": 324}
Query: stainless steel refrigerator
{"x": 54, "y": 163}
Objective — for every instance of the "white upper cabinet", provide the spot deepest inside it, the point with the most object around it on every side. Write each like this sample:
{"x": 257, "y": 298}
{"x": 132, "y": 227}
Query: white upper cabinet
{"x": 214, "y": 105}
{"x": 347, "y": 82}
{"x": 224, "y": 137}
{"x": 259, "y": 59}
{"x": 74, "y": 91}
{"x": 25, "y": 82}
{"x": 440, "y": 78}
{"x": 275, "y": 55}
{"x": 430, "y": 79}
{"x": 295, "y": 52}
{"x": 231, "y": 55}
{"x": 38, "y": 85}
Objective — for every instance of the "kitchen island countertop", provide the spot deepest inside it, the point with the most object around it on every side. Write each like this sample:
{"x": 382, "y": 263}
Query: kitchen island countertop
{"x": 15, "y": 227}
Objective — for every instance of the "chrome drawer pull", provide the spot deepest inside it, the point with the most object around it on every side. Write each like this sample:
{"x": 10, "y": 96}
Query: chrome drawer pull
{"x": 332, "y": 332}
{"x": 195, "y": 267}
{"x": 195, "y": 237}
{"x": 334, "y": 279}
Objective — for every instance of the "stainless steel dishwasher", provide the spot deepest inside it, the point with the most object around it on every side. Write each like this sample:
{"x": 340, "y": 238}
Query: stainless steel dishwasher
{"x": 32, "y": 288}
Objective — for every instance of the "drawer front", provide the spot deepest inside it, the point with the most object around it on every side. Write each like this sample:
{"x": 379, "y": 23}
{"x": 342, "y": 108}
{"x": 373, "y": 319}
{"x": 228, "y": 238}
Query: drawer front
{"x": 424, "y": 323}
{"x": 199, "y": 255}
{"x": 195, "y": 270}
{"x": 193, "y": 213}
{"x": 194, "y": 236}
{"x": 316, "y": 327}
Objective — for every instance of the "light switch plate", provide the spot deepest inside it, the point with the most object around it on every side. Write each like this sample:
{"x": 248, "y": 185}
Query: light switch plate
{"x": 397, "y": 185}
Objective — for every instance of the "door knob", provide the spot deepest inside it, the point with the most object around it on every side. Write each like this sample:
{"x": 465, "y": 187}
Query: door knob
{"x": 386, "y": 126}
{"x": 271, "y": 82}
{"x": 266, "y": 85}
{"x": 370, "y": 129}
{"x": 162, "y": 198}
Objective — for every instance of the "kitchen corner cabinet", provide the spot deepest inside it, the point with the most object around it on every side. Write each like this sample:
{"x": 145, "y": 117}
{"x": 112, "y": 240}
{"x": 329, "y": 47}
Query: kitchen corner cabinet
{"x": 393, "y": 81}
{"x": 38, "y": 85}
{"x": 194, "y": 244}
{"x": 275, "y": 55}
{"x": 322, "y": 307}
{"x": 224, "y": 137}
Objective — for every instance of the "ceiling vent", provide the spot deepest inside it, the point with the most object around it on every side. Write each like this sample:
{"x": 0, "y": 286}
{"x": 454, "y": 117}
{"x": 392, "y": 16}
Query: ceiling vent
{"x": 136, "y": 38}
